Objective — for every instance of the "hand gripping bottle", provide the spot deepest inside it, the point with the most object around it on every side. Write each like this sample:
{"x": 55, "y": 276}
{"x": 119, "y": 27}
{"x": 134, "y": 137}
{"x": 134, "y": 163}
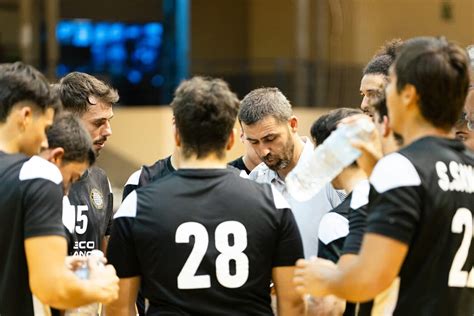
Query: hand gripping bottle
{"x": 328, "y": 160}
{"x": 82, "y": 273}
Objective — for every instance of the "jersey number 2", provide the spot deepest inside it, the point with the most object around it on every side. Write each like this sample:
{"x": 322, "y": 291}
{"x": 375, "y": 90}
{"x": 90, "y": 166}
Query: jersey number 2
{"x": 187, "y": 278}
{"x": 462, "y": 221}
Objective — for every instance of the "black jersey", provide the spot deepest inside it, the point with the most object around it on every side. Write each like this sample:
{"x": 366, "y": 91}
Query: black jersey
{"x": 423, "y": 196}
{"x": 333, "y": 229}
{"x": 147, "y": 174}
{"x": 239, "y": 164}
{"x": 30, "y": 206}
{"x": 204, "y": 242}
{"x": 91, "y": 202}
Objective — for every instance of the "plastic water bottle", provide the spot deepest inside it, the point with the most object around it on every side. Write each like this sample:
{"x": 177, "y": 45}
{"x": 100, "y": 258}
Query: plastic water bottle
{"x": 328, "y": 160}
{"x": 95, "y": 257}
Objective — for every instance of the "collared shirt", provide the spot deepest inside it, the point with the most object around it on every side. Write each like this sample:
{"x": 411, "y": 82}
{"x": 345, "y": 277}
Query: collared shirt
{"x": 308, "y": 214}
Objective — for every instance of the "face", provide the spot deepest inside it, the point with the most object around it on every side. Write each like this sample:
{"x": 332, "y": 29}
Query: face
{"x": 394, "y": 102}
{"x": 250, "y": 151}
{"x": 272, "y": 142}
{"x": 35, "y": 132}
{"x": 464, "y": 134}
{"x": 371, "y": 87}
{"x": 97, "y": 121}
{"x": 71, "y": 172}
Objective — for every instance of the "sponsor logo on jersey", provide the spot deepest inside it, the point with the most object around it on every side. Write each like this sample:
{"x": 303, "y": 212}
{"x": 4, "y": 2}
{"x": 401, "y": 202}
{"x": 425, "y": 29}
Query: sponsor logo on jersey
{"x": 97, "y": 199}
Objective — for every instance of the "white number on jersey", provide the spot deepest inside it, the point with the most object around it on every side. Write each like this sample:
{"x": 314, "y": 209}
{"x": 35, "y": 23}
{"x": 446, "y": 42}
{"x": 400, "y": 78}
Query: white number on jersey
{"x": 187, "y": 278}
{"x": 462, "y": 221}
{"x": 81, "y": 219}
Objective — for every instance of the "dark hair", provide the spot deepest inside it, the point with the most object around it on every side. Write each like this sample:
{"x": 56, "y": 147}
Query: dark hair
{"x": 205, "y": 111}
{"x": 264, "y": 102}
{"x": 440, "y": 73}
{"x": 68, "y": 133}
{"x": 327, "y": 123}
{"x": 380, "y": 106}
{"x": 383, "y": 58}
{"x": 77, "y": 88}
{"x": 20, "y": 82}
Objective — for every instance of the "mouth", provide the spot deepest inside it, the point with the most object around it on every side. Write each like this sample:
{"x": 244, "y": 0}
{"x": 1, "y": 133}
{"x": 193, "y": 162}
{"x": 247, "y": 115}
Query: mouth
{"x": 99, "y": 145}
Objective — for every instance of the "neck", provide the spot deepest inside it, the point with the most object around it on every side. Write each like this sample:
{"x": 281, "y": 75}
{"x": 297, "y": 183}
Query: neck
{"x": 355, "y": 176}
{"x": 8, "y": 140}
{"x": 249, "y": 163}
{"x": 299, "y": 145}
{"x": 209, "y": 162}
{"x": 417, "y": 128}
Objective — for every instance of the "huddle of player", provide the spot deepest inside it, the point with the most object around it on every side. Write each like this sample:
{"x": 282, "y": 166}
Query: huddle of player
{"x": 195, "y": 235}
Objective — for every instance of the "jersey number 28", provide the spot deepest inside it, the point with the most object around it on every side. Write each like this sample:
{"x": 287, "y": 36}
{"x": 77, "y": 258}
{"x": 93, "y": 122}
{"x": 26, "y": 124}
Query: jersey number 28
{"x": 187, "y": 278}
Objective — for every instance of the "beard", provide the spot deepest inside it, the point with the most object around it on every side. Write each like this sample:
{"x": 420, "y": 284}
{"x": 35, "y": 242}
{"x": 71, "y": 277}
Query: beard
{"x": 281, "y": 161}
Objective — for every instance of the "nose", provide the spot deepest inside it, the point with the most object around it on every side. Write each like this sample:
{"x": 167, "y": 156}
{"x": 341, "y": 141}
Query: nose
{"x": 263, "y": 150}
{"x": 364, "y": 106}
{"x": 107, "y": 130}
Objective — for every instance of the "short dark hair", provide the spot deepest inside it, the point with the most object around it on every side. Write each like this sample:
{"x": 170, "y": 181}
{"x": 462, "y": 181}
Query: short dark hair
{"x": 263, "y": 102}
{"x": 327, "y": 123}
{"x": 439, "y": 70}
{"x": 383, "y": 58}
{"x": 68, "y": 133}
{"x": 205, "y": 110}
{"x": 380, "y": 106}
{"x": 20, "y": 82}
{"x": 77, "y": 88}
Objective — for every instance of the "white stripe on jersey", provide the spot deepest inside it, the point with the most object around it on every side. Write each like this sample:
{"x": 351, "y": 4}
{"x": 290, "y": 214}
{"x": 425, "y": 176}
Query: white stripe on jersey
{"x": 332, "y": 227}
{"x": 69, "y": 215}
{"x": 394, "y": 171}
{"x": 128, "y": 207}
{"x": 39, "y": 309}
{"x": 278, "y": 199}
{"x": 134, "y": 178}
{"x": 360, "y": 194}
{"x": 39, "y": 168}
{"x": 385, "y": 302}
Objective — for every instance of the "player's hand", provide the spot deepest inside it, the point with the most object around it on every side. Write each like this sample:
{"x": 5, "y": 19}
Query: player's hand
{"x": 105, "y": 280}
{"x": 371, "y": 150}
{"x": 74, "y": 262}
{"x": 311, "y": 276}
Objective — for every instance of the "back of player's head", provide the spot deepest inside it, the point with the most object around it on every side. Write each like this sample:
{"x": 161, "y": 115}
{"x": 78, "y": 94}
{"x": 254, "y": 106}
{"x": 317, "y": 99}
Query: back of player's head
{"x": 327, "y": 123}
{"x": 264, "y": 102}
{"x": 439, "y": 71}
{"x": 78, "y": 91}
{"x": 68, "y": 133}
{"x": 205, "y": 110}
{"x": 383, "y": 58}
{"x": 20, "y": 82}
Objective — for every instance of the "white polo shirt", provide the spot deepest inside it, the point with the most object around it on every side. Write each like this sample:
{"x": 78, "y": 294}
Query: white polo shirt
{"x": 308, "y": 214}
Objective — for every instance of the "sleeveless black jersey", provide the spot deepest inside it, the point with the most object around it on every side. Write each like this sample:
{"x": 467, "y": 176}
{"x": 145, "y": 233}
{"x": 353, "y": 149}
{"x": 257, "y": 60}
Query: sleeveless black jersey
{"x": 147, "y": 174}
{"x": 423, "y": 196}
{"x": 204, "y": 242}
{"x": 30, "y": 206}
{"x": 91, "y": 205}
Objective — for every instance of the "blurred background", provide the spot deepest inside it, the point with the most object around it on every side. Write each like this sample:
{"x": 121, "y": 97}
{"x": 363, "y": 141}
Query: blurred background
{"x": 313, "y": 50}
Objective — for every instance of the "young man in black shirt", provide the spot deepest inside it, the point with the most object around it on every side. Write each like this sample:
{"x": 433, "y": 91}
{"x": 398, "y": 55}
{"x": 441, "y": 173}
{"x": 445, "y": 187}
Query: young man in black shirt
{"x": 203, "y": 240}
{"x": 32, "y": 244}
{"x": 419, "y": 224}
{"x": 91, "y": 101}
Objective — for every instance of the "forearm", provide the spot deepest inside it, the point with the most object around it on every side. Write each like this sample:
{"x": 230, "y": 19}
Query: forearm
{"x": 290, "y": 307}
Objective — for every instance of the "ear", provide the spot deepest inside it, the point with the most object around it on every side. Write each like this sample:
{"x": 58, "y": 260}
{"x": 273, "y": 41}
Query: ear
{"x": 177, "y": 138}
{"x": 231, "y": 139}
{"x": 56, "y": 155}
{"x": 25, "y": 115}
{"x": 409, "y": 95}
{"x": 386, "y": 129}
{"x": 293, "y": 122}
{"x": 242, "y": 136}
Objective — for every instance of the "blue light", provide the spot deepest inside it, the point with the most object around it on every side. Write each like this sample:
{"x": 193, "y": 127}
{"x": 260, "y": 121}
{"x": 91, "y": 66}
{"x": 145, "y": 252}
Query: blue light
{"x": 101, "y": 34}
{"x": 153, "y": 29}
{"x": 117, "y": 53}
{"x": 62, "y": 70}
{"x": 64, "y": 31}
{"x": 134, "y": 76}
{"x": 83, "y": 34}
{"x": 157, "y": 81}
{"x": 133, "y": 31}
{"x": 116, "y": 32}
